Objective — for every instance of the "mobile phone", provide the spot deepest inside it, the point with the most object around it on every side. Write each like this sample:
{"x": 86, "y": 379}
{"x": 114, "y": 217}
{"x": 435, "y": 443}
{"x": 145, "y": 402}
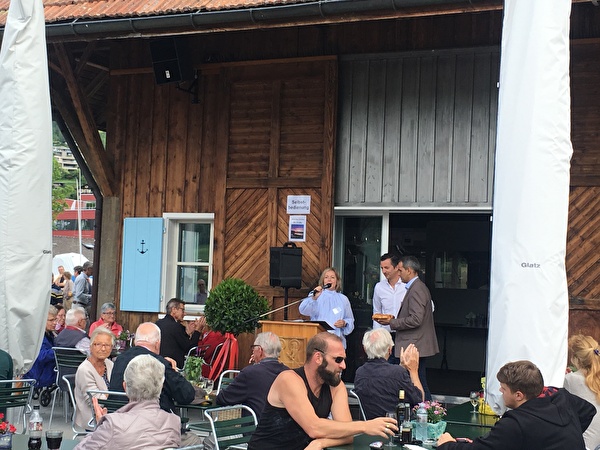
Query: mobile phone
{"x": 462, "y": 440}
{"x": 376, "y": 445}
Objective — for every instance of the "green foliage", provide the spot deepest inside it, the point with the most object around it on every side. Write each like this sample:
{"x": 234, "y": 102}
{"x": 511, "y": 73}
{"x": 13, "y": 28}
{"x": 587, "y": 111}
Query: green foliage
{"x": 193, "y": 368}
{"x": 60, "y": 191}
{"x": 233, "y": 306}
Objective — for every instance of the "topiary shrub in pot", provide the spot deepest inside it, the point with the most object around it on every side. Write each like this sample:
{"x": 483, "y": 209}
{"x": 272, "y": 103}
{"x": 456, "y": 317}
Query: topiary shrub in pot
{"x": 233, "y": 307}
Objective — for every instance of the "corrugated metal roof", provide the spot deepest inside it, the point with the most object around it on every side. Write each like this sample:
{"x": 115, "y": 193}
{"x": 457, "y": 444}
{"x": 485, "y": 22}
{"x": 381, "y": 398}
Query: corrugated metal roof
{"x": 61, "y": 10}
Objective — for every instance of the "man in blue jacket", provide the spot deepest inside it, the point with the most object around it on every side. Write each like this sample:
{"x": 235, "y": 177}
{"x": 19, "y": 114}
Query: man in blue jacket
{"x": 252, "y": 385}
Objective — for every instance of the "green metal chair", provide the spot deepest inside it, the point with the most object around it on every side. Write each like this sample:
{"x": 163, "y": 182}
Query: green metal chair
{"x": 229, "y": 427}
{"x": 111, "y": 400}
{"x": 69, "y": 382}
{"x": 17, "y": 394}
{"x": 226, "y": 378}
{"x": 67, "y": 361}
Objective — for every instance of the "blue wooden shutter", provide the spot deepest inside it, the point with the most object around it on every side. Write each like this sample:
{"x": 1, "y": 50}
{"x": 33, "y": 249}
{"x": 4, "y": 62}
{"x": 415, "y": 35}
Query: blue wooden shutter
{"x": 141, "y": 264}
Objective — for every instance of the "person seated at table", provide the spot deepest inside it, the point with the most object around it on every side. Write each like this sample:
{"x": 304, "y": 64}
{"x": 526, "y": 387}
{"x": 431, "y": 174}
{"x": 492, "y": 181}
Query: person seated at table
{"x": 208, "y": 343}
{"x": 585, "y": 382}
{"x": 378, "y": 382}
{"x": 60, "y": 319}
{"x": 74, "y": 335}
{"x": 107, "y": 320}
{"x": 330, "y": 305}
{"x": 147, "y": 342}
{"x": 175, "y": 387}
{"x": 300, "y": 401}
{"x": 43, "y": 368}
{"x": 178, "y": 336}
{"x": 141, "y": 423}
{"x": 554, "y": 420}
{"x": 252, "y": 384}
{"x": 93, "y": 373}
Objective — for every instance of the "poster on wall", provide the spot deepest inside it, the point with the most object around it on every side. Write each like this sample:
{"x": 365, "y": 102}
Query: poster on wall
{"x": 297, "y": 229}
{"x": 298, "y": 204}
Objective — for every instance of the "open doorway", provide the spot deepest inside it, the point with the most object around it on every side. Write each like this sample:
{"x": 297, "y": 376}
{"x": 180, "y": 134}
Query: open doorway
{"x": 454, "y": 250}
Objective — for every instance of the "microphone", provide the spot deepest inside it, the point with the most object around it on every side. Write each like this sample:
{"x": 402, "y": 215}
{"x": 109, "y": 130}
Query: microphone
{"x": 325, "y": 286}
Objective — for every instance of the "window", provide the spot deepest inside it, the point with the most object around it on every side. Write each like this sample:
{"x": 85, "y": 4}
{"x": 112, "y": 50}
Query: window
{"x": 358, "y": 242}
{"x": 188, "y": 256}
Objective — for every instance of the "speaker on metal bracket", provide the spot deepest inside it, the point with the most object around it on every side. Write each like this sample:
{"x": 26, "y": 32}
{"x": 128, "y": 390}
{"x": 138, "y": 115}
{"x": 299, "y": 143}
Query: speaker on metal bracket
{"x": 170, "y": 60}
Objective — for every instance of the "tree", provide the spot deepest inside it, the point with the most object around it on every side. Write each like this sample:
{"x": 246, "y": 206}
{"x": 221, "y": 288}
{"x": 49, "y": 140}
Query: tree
{"x": 62, "y": 188}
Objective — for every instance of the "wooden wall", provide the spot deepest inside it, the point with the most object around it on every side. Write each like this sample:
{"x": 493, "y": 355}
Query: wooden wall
{"x": 417, "y": 128}
{"x": 260, "y": 132}
{"x": 171, "y": 155}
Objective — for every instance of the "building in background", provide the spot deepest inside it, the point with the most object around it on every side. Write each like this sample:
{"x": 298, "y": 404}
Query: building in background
{"x": 65, "y": 230}
{"x": 65, "y": 158}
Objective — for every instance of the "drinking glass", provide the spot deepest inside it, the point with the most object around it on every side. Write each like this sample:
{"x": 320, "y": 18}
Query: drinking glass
{"x": 208, "y": 387}
{"x": 391, "y": 442}
{"x": 54, "y": 439}
{"x": 474, "y": 398}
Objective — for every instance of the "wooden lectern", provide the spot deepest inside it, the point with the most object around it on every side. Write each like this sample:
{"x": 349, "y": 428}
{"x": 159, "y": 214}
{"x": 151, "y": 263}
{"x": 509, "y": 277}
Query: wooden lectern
{"x": 294, "y": 337}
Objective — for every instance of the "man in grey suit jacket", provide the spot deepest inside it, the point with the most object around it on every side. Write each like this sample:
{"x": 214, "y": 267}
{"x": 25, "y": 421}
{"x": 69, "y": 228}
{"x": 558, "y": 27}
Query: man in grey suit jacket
{"x": 414, "y": 322}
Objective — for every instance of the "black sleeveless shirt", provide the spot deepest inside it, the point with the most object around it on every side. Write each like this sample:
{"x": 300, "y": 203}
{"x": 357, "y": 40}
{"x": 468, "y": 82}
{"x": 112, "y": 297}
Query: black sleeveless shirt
{"x": 277, "y": 430}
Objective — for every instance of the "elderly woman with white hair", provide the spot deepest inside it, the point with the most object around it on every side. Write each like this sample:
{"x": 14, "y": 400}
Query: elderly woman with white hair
{"x": 141, "y": 424}
{"x": 93, "y": 373}
{"x": 378, "y": 382}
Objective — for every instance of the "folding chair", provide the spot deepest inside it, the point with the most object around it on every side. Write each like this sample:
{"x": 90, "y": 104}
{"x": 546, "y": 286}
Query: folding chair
{"x": 225, "y": 379}
{"x": 230, "y": 428}
{"x": 67, "y": 362}
{"x": 17, "y": 394}
{"x": 69, "y": 382}
{"x": 353, "y": 394}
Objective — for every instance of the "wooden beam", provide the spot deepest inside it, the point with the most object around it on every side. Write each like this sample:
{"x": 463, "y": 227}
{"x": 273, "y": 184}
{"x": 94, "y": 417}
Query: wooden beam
{"x": 280, "y": 182}
{"x": 96, "y": 84}
{"x": 100, "y": 164}
{"x": 85, "y": 57}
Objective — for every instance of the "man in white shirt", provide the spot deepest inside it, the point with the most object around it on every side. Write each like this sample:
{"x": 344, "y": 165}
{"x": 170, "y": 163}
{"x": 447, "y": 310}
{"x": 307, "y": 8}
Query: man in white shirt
{"x": 388, "y": 294}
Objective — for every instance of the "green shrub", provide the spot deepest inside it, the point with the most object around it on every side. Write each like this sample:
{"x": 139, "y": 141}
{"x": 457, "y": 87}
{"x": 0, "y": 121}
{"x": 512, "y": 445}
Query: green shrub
{"x": 233, "y": 306}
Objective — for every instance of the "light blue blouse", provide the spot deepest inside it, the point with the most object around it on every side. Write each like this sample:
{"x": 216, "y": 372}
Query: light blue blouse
{"x": 330, "y": 307}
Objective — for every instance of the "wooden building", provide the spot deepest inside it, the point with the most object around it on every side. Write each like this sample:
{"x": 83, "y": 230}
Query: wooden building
{"x": 384, "y": 113}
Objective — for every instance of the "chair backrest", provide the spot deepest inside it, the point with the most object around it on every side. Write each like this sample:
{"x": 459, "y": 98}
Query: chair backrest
{"x": 226, "y": 378}
{"x": 353, "y": 394}
{"x": 229, "y": 426}
{"x": 16, "y": 394}
{"x": 111, "y": 400}
{"x": 214, "y": 354}
{"x": 198, "y": 351}
{"x": 69, "y": 382}
{"x": 67, "y": 361}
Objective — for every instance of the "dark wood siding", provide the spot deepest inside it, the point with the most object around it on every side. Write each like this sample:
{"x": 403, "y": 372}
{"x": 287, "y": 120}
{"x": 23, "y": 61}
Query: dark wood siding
{"x": 260, "y": 132}
{"x": 160, "y": 172}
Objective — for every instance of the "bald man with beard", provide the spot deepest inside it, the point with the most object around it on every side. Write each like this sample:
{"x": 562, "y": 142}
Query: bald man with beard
{"x": 301, "y": 400}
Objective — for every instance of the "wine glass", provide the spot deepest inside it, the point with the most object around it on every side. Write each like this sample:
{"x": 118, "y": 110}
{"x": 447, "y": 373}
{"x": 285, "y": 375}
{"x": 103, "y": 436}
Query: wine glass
{"x": 391, "y": 442}
{"x": 208, "y": 387}
{"x": 474, "y": 398}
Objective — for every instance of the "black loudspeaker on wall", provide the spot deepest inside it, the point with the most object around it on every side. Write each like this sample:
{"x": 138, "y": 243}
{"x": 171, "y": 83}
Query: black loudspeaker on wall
{"x": 171, "y": 60}
{"x": 286, "y": 266}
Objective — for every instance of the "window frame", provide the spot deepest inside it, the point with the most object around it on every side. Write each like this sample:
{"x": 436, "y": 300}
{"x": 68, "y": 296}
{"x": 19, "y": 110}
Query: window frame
{"x": 171, "y": 244}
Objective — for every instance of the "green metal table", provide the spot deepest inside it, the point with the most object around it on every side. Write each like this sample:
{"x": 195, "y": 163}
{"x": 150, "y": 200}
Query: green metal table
{"x": 20, "y": 443}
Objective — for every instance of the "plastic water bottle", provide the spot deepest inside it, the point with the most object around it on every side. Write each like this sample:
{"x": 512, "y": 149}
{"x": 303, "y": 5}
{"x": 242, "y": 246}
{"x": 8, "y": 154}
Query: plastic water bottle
{"x": 421, "y": 428}
{"x": 35, "y": 429}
